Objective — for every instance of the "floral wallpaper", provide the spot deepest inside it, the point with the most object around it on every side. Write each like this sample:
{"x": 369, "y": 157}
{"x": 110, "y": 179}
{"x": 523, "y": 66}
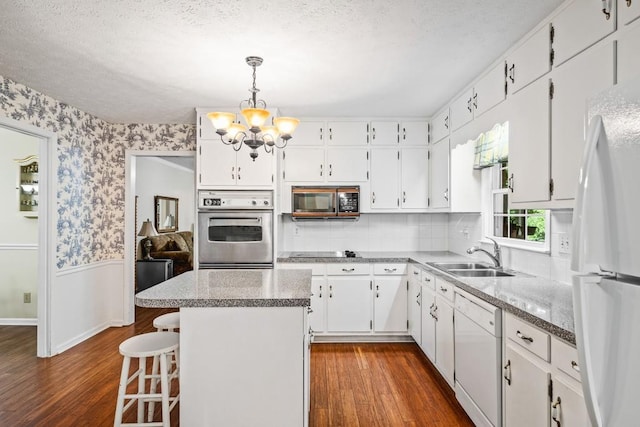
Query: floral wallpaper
{"x": 91, "y": 170}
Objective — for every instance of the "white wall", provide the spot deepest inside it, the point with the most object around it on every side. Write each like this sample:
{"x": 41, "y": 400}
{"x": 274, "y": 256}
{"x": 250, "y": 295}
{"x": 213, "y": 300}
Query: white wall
{"x": 158, "y": 177}
{"x": 19, "y": 237}
{"x": 372, "y": 232}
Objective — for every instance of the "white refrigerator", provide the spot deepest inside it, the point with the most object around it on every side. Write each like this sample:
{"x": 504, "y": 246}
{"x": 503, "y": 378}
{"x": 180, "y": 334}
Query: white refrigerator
{"x": 606, "y": 255}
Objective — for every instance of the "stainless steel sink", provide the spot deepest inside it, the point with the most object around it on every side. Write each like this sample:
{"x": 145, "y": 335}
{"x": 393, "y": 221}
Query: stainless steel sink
{"x": 488, "y": 272}
{"x": 461, "y": 265}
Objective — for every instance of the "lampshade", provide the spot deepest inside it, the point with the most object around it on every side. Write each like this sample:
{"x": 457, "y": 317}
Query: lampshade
{"x": 270, "y": 134}
{"x": 255, "y": 117}
{"x": 235, "y": 129}
{"x": 221, "y": 120}
{"x": 286, "y": 125}
{"x": 147, "y": 229}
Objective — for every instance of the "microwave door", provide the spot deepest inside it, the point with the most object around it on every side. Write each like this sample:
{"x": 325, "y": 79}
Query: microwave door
{"x": 313, "y": 203}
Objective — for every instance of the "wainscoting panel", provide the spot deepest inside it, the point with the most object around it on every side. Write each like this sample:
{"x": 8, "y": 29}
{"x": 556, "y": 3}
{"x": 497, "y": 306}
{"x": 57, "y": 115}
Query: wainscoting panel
{"x": 18, "y": 276}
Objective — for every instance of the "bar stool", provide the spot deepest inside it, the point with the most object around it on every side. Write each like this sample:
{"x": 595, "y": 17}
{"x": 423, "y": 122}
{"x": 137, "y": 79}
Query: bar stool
{"x": 155, "y": 344}
{"x": 166, "y": 322}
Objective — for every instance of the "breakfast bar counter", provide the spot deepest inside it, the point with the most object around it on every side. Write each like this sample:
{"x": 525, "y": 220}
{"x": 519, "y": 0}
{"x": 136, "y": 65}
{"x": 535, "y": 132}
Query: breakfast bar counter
{"x": 244, "y": 345}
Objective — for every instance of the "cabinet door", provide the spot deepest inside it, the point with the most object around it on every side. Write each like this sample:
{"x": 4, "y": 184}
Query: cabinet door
{"x": 490, "y": 90}
{"x": 578, "y": 26}
{"x": 428, "y": 335}
{"x": 217, "y": 164}
{"x": 304, "y": 164}
{"x": 530, "y": 61}
{"x": 439, "y": 196}
{"x": 465, "y": 188}
{"x": 568, "y": 408}
{"x": 414, "y": 302}
{"x": 318, "y": 315}
{"x": 385, "y": 165}
{"x": 628, "y": 58}
{"x": 445, "y": 361}
{"x": 348, "y": 133}
{"x": 574, "y": 82}
{"x": 529, "y": 145}
{"x": 526, "y": 392}
{"x": 440, "y": 126}
{"x": 347, "y": 164}
{"x": 205, "y": 128}
{"x": 256, "y": 173}
{"x": 349, "y": 305}
{"x": 390, "y": 304}
{"x": 308, "y": 133}
{"x": 628, "y": 10}
{"x": 414, "y": 167}
{"x": 385, "y": 133}
{"x": 462, "y": 110}
{"x": 414, "y": 133}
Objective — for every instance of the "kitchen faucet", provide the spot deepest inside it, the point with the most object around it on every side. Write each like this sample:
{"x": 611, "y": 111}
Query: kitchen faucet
{"x": 497, "y": 253}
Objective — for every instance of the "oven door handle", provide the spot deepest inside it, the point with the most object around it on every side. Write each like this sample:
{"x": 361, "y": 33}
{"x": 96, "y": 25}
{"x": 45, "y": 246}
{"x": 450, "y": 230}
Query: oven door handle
{"x": 234, "y": 221}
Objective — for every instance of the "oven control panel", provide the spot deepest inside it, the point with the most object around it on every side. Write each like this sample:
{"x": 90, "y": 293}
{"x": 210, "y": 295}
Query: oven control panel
{"x": 211, "y": 200}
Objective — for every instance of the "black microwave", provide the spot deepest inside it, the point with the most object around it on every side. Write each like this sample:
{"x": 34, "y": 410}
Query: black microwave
{"x": 325, "y": 202}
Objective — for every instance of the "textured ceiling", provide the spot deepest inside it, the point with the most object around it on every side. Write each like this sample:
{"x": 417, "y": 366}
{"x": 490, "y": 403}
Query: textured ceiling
{"x": 152, "y": 61}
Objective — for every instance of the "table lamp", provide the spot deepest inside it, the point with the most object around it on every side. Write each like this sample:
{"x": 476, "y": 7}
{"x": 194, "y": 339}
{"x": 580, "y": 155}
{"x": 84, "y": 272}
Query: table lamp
{"x": 147, "y": 230}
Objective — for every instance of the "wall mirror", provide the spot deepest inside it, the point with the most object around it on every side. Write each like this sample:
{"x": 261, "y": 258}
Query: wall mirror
{"x": 166, "y": 213}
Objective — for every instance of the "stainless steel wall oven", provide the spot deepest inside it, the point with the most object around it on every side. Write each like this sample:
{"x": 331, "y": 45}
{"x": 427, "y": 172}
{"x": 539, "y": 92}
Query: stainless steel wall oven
{"x": 235, "y": 229}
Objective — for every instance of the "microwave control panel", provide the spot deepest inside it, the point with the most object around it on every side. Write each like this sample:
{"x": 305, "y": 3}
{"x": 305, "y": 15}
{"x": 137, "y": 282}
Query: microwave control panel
{"x": 348, "y": 202}
{"x": 213, "y": 200}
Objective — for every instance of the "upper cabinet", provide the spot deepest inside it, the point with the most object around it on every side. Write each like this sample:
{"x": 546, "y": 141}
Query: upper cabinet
{"x": 628, "y": 11}
{"x": 581, "y": 24}
{"x": 308, "y": 133}
{"x": 348, "y": 133}
{"x": 394, "y": 133}
{"x": 628, "y": 48}
{"x": 465, "y": 181}
{"x": 440, "y": 125}
{"x": 220, "y": 166}
{"x": 414, "y": 133}
{"x": 489, "y": 91}
{"x": 385, "y": 133}
{"x": 530, "y": 61}
{"x": 439, "y": 194}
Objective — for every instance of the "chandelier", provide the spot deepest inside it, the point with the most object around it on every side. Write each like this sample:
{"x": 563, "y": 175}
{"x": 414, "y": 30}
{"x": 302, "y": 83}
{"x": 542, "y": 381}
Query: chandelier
{"x": 255, "y": 115}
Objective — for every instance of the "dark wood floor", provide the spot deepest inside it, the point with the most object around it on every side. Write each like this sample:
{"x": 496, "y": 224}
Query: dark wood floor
{"x": 351, "y": 384}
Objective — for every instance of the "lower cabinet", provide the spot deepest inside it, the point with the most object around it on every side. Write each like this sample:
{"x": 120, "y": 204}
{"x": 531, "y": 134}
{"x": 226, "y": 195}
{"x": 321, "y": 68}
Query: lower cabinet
{"x": 349, "y": 304}
{"x": 414, "y": 301}
{"x": 428, "y": 335}
{"x": 390, "y": 287}
{"x": 445, "y": 338}
{"x": 318, "y": 315}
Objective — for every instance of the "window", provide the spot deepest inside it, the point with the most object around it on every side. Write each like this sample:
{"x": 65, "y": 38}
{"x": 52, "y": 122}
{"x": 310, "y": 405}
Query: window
{"x": 524, "y": 228}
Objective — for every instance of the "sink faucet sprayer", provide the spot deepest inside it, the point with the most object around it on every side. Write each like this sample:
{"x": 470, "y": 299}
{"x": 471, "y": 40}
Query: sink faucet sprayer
{"x": 497, "y": 253}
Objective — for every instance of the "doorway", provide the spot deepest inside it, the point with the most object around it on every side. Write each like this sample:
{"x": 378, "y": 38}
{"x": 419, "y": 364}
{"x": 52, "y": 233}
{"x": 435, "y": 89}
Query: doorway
{"x": 137, "y": 183}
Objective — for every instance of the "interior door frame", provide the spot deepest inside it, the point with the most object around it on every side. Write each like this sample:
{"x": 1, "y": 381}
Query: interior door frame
{"x": 48, "y": 162}
{"x": 131, "y": 157}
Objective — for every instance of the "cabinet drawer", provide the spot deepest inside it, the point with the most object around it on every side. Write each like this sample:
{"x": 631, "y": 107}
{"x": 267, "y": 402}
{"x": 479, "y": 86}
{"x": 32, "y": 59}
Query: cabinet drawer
{"x": 351, "y": 269}
{"x": 389, "y": 269}
{"x": 565, "y": 357}
{"x": 527, "y": 336}
{"x": 415, "y": 273}
{"x": 428, "y": 280}
{"x": 445, "y": 289}
{"x": 316, "y": 269}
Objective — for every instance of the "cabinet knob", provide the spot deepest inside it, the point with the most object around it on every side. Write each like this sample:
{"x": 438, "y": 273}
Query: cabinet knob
{"x": 574, "y": 366}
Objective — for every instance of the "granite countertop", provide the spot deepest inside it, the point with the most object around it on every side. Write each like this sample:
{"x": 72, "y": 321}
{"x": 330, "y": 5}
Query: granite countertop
{"x": 545, "y": 303}
{"x": 231, "y": 288}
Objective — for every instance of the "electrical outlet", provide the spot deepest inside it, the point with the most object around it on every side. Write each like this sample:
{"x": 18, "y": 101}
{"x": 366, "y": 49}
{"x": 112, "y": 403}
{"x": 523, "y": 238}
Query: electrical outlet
{"x": 27, "y": 297}
{"x": 563, "y": 238}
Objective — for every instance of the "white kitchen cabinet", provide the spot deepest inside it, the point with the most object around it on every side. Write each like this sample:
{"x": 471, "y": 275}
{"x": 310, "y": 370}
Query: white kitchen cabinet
{"x": 461, "y": 110}
{"x": 584, "y": 76}
{"x": 439, "y": 161}
{"x": 308, "y": 133}
{"x": 529, "y": 144}
{"x": 526, "y": 390}
{"x": 567, "y": 405}
{"x": 348, "y": 133}
{"x": 490, "y": 90}
{"x": 390, "y": 303}
{"x": 305, "y": 164}
{"x": 414, "y": 301}
{"x": 349, "y": 304}
{"x": 581, "y": 24}
{"x": 414, "y": 181}
{"x": 385, "y": 172}
{"x": 628, "y": 11}
{"x": 445, "y": 361}
{"x": 318, "y": 315}
{"x": 530, "y": 60}
{"x": 205, "y": 127}
{"x": 347, "y": 164}
{"x": 428, "y": 335}
{"x": 465, "y": 181}
{"x": 440, "y": 125}
{"x": 414, "y": 133}
{"x": 385, "y": 133}
{"x": 628, "y": 48}
{"x": 220, "y": 166}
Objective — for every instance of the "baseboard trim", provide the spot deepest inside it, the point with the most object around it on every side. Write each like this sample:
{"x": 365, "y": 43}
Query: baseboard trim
{"x": 361, "y": 338}
{"x": 85, "y": 336}
{"x": 18, "y": 322}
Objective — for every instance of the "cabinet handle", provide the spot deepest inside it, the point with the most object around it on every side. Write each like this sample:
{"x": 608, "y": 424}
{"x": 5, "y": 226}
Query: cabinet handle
{"x": 418, "y": 299}
{"x": 523, "y": 337}
{"x": 348, "y": 270}
{"x": 404, "y": 197}
{"x": 510, "y": 183}
{"x": 373, "y": 197}
{"x": 404, "y": 133}
{"x": 239, "y": 173}
{"x": 426, "y": 279}
{"x": 628, "y": 3}
{"x": 446, "y": 122}
{"x": 507, "y": 372}
{"x": 320, "y": 134}
{"x": 605, "y": 9}
{"x": 377, "y": 295}
{"x": 309, "y": 309}
{"x": 475, "y": 101}
{"x": 233, "y": 176}
{"x": 373, "y": 133}
{"x": 446, "y": 194}
{"x": 330, "y": 169}
{"x": 469, "y": 105}
{"x": 330, "y": 134}
{"x": 320, "y": 292}
{"x": 574, "y": 366}
{"x": 416, "y": 273}
{"x": 390, "y": 270}
{"x": 554, "y": 412}
{"x": 443, "y": 289}
{"x": 512, "y": 73}
{"x": 434, "y": 313}
{"x": 321, "y": 166}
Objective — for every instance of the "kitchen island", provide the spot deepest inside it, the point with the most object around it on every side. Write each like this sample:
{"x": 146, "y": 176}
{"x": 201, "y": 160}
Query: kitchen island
{"x": 244, "y": 345}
